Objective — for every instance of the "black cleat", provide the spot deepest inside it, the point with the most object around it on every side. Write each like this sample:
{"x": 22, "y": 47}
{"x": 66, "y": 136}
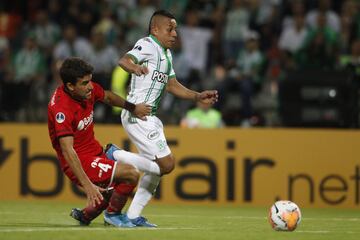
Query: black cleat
{"x": 78, "y": 215}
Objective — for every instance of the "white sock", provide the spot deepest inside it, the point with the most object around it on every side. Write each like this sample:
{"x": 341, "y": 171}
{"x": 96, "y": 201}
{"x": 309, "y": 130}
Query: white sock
{"x": 143, "y": 164}
{"x": 145, "y": 191}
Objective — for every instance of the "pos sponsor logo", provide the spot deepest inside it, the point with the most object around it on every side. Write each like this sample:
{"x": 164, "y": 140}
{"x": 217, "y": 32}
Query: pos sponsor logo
{"x": 160, "y": 77}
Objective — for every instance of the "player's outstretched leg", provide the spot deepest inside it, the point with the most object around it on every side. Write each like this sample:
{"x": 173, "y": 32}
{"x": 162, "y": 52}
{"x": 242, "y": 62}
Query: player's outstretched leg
{"x": 143, "y": 164}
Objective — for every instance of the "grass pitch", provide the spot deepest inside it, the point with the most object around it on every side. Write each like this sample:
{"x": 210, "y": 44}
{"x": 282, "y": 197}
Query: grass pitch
{"x": 36, "y": 220}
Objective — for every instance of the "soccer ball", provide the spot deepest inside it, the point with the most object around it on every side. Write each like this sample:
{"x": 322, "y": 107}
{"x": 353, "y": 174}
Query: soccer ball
{"x": 284, "y": 216}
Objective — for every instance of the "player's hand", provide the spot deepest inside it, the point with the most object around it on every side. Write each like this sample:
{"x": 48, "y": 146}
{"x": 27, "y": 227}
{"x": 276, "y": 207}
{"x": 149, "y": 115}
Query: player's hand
{"x": 141, "y": 70}
{"x": 208, "y": 97}
{"x": 142, "y": 110}
{"x": 93, "y": 194}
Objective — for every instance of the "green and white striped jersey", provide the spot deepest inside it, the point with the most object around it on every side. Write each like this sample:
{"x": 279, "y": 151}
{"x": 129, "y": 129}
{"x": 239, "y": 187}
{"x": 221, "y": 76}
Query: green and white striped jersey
{"x": 149, "y": 88}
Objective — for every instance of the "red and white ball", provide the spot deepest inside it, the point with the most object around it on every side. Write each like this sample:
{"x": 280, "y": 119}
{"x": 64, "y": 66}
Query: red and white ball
{"x": 284, "y": 216}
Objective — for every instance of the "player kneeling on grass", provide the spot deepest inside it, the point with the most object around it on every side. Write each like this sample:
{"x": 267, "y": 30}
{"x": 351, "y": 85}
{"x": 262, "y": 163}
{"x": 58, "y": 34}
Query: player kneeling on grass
{"x": 71, "y": 129}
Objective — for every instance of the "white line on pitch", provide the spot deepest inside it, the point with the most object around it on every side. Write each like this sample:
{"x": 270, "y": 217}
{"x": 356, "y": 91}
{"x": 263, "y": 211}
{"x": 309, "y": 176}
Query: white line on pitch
{"x": 57, "y": 229}
{"x": 320, "y": 231}
{"x": 325, "y": 232}
{"x": 338, "y": 219}
{"x": 249, "y": 217}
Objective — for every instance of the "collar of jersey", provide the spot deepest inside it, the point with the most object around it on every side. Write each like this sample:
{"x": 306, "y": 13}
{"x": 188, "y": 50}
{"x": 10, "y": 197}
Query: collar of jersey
{"x": 74, "y": 99}
{"x": 157, "y": 41}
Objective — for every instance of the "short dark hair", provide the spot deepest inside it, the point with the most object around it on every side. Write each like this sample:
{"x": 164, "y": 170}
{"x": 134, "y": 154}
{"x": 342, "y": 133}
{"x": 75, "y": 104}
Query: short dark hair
{"x": 161, "y": 12}
{"x": 74, "y": 68}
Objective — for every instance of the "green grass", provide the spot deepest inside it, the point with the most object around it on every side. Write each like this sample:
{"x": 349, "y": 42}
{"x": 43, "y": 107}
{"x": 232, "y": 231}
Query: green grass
{"x": 50, "y": 220}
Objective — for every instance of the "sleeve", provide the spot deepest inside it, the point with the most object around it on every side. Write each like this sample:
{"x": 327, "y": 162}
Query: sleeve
{"x": 172, "y": 71}
{"x": 142, "y": 50}
{"x": 98, "y": 92}
{"x": 62, "y": 119}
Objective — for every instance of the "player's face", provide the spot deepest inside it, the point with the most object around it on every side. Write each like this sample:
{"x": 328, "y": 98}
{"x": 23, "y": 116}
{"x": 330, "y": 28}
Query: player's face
{"x": 83, "y": 88}
{"x": 167, "y": 32}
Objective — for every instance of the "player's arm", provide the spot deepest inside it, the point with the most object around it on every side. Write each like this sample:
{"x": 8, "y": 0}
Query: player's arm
{"x": 129, "y": 64}
{"x": 92, "y": 191}
{"x": 179, "y": 90}
{"x": 140, "y": 110}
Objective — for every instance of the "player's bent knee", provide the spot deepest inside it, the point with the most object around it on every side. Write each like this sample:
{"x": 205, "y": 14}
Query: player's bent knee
{"x": 135, "y": 175}
{"x": 127, "y": 173}
{"x": 166, "y": 165}
{"x": 168, "y": 168}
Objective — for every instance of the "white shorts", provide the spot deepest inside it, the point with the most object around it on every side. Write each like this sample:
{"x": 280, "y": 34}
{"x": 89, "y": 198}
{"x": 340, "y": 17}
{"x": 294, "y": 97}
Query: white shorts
{"x": 148, "y": 136}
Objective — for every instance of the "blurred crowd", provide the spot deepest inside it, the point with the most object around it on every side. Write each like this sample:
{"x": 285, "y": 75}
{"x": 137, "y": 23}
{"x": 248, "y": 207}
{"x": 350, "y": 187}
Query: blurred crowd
{"x": 242, "y": 48}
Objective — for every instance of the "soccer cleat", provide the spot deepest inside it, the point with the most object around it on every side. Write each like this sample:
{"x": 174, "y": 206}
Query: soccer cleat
{"x": 117, "y": 220}
{"x": 110, "y": 149}
{"x": 78, "y": 215}
{"x": 142, "y": 222}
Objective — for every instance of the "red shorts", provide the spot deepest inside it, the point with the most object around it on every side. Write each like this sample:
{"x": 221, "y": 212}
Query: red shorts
{"x": 99, "y": 169}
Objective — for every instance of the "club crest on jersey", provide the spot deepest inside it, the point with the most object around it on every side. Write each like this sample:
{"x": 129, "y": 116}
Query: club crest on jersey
{"x": 60, "y": 117}
{"x": 138, "y": 47}
{"x": 159, "y": 76}
{"x": 84, "y": 123}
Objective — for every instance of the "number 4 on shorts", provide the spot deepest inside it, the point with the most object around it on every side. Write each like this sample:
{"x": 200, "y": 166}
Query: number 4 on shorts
{"x": 104, "y": 167}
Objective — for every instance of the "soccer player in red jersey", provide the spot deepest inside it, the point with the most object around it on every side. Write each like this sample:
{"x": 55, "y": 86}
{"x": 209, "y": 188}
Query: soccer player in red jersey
{"x": 71, "y": 129}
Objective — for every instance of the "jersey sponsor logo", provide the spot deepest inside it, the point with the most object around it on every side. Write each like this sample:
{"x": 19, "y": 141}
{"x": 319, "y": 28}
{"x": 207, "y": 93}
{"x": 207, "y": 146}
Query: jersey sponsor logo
{"x": 85, "y": 122}
{"x": 153, "y": 135}
{"x": 138, "y": 47}
{"x": 81, "y": 125}
{"x": 60, "y": 117}
{"x": 159, "y": 76}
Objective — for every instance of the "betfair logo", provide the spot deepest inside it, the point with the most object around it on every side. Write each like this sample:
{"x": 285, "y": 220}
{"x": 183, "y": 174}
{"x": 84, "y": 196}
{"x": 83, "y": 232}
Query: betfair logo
{"x": 160, "y": 77}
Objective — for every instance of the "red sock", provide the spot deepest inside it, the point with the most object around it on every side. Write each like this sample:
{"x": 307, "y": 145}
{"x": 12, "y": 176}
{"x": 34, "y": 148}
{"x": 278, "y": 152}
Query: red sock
{"x": 91, "y": 212}
{"x": 119, "y": 197}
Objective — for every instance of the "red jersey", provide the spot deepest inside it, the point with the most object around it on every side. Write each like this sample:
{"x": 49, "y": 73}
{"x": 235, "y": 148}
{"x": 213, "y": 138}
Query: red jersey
{"x": 70, "y": 117}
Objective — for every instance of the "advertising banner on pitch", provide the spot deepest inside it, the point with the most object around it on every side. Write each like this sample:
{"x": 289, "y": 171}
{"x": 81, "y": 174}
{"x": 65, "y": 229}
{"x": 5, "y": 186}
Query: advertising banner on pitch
{"x": 315, "y": 168}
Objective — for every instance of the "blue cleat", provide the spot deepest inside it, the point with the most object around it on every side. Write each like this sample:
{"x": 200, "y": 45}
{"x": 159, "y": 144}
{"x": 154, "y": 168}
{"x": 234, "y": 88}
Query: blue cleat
{"x": 117, "y": 220}
{"x": 142, "y": 222}
{"x": 78, "y": 215}
{"x": 110, "y": 149}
